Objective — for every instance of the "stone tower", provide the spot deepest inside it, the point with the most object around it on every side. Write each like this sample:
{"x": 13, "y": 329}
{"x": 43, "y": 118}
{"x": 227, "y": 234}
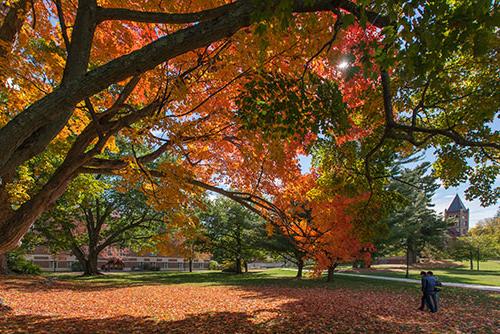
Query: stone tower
{"x": 460, "y": 214}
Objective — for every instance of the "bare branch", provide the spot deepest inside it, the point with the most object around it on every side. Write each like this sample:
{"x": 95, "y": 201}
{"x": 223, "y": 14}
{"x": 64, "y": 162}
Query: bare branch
{"x": 62, "y": 23}
{"x": 327, "y": 45}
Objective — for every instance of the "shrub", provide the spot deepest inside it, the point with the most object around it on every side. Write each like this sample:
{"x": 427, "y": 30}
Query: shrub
{"x": 76, "y": 266}
{"x": 19, "y": 265}
{"x": 30, "y": 268}
{"x": 229, "y": 266}
{"x": 213, "y": 265}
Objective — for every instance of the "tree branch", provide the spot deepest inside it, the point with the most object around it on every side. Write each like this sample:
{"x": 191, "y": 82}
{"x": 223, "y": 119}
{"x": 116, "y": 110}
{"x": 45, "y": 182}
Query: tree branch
{"x": 35, "y": 127}
{"x": 123, "y": 14}
{"x": 62, "y": 23}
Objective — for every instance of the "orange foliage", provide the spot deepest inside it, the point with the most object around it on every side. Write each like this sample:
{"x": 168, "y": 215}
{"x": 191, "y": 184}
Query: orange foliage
{"x": 37, "y": 305}
{"x": 220, "y": 148}
{"x": 322, "y": 225}
{"x": 183, "y": 238}
{"x": 205, "y": 140}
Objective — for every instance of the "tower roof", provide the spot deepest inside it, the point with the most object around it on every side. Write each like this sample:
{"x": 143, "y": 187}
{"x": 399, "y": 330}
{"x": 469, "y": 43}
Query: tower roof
{"x": 456, "y": 205}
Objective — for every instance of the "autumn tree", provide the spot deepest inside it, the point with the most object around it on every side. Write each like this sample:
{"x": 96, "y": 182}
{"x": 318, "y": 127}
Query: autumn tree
{"x": 99, "y": 221}
{"x": 324, "y": 226}
{"x": 283, "y": 247}
{"x": 482, "y": 242}
{"x": 184, "y": 236}
{"x": 167, "y": 76}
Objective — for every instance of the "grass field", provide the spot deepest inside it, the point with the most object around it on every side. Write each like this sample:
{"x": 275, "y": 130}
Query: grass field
{"x": 488, "y": 275}
{"x": 270, "y": 301}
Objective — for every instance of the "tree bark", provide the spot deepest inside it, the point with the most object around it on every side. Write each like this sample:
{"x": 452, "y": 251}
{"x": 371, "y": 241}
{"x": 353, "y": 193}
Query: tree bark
{"x": 30, "y": 131}
{"x": 331, "y": 271}
{"x": 471, "y": 260}
{"x": 190, "y": 265}
{"x": 478, "y": 256}
{"x": 90, "y": 265}
{"x": 11, "y": 25}
{"x": 407, "y": 260}
{"x": 412, "y": 254}
{"x": 15, "y": 226}
{"x": 4, "y": 269}
{"x": 238, "y": 265}
{"x": 246, "y": 266}
{"x": 32, "y": 126}
{"x": 300, "y": 267}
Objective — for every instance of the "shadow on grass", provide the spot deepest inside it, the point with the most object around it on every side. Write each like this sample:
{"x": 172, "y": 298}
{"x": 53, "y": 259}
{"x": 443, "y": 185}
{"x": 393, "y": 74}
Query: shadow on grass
{"x": 112, "y": 281}
{"x": 275, "y": 278}
{"x": 211, "y": 323}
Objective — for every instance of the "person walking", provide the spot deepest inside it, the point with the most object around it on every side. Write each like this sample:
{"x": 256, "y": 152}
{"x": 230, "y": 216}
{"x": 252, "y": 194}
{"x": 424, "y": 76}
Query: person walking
{"x": 437, "y": 283}
{"x": 429, "y": 289}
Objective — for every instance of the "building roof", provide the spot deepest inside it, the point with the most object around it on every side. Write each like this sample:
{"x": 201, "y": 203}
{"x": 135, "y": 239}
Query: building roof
{"x": 456, "y": 205}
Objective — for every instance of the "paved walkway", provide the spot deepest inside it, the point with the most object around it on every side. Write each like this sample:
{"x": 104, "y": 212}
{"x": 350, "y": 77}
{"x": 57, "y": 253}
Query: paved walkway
{"x": 408, "y": 280}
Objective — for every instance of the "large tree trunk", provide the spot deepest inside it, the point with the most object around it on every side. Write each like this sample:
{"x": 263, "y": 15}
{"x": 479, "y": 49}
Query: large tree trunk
{"x": 32, "y": 127}
{"x": 14, "y": 225}
{"x": 3, "y": 264}
{"x": 190, "y": 265}
{"x": 300, "y": 268}
{"x": 90, "y": 268}
{"x": 11, "y": 25}
{"x": 88, "y": 263}
{"x": 238, "y": 265}
{"x": 331, "y": 271}
{"x": 30, "y": 131}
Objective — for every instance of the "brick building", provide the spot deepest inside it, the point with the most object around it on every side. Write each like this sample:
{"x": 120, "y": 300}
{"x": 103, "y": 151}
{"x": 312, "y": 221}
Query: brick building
{"x": 460, "y": 214}
{"x": 131, "y": 261}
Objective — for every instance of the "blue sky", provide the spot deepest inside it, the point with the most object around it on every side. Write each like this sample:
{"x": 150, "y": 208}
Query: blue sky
{"x": 443, "y": 197}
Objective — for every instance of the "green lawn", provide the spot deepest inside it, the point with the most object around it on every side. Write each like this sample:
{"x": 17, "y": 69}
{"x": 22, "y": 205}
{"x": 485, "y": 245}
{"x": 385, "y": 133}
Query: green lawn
{"x": 488, "y": 275}
{"x": 270, "y": 277}
{"x": 281, "y": 277}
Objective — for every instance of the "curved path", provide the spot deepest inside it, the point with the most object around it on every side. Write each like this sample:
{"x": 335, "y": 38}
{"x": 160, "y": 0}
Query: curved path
{"x": 409, "y": 280}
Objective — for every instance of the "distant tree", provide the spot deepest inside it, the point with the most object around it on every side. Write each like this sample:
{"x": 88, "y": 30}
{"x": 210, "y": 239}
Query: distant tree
{"x": 184, "y": 236}
{"x": 482, "y": 242}
{"x": 413, "y": 224}
{"x": 232, "y": 232}
{"x": 99, "y": 221}
{"x": 324, "y": 227}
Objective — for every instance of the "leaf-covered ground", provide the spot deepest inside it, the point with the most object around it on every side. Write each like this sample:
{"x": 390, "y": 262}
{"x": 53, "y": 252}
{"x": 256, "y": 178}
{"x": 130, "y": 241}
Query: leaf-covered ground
{"x": 38, "y": 305}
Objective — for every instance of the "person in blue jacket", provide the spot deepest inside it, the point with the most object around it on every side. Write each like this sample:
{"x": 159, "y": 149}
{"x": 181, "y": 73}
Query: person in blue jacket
{"x": 429, "y": 290}
{"x": 435, "y": 295}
